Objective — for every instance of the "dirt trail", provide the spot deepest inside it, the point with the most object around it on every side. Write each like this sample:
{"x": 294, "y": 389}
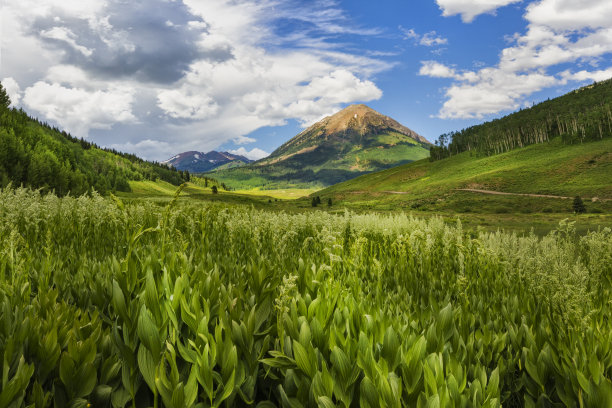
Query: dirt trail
{"x": 474, "y": 190}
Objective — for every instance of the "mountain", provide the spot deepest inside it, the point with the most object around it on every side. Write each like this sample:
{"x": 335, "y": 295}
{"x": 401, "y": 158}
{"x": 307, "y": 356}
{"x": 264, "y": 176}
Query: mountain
{"x": 355, "y": 141}
{"x": 198, "y": 162}
{"x": 534, "y": 160}
{"x": 36, "y": 155}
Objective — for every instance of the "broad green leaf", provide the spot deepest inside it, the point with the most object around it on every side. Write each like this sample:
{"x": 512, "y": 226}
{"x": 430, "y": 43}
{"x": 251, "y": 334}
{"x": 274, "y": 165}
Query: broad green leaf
{"x": 302, "y": 360}
{"x": 147, "y": 366}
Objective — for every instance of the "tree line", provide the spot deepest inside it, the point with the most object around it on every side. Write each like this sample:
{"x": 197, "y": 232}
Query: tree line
{"x": 581, "y": 115}
{"x": 39, "y": 156}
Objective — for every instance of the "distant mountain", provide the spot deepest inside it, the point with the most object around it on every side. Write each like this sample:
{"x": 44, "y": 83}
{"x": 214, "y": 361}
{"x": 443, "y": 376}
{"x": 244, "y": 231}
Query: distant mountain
{"x": 354, "y": 141}
{"x": 199, "y": 162}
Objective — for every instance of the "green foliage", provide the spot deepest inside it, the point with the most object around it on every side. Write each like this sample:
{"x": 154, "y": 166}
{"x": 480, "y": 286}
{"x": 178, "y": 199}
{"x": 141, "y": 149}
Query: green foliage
{"x": 5, "y": 100}
{"x": 34, "y": 154}
{"x": 581, "y": 115}
{"x": 113, "y": 304}
{"x": 578, "y": 205}
{"x": 552, "y": 168}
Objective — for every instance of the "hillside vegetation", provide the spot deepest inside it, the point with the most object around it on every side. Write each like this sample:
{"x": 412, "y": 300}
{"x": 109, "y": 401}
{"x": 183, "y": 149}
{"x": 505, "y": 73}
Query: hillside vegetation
{"x": 354, "y": 141}
{"x": 36, "y": 155}
{"x": 584, "y": 114}
{"x": 552, "y": 168}
{"x": 190, "y": 306}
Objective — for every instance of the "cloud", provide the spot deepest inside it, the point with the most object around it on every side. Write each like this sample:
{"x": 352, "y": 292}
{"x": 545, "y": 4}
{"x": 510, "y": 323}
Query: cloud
{"x": 145, "y": 148}
{"x": 186, "y": 103}
{"x": 340, "y": 86}
{"x": 193, "y": 74}
{"x": 430, "y": 39}
{"x": 65, "y": 35}
{"x": 119, "y": 39}
{"x": 436, "y": 70}
{"x": 243, "y": 140}
{"x": 470, "y": 9}
{"x": 13, "y": 90}
{"x": 570, "y": 15}
{"x": 79, "y": 110}
{"x": 267, "y": 85}
{"x": 492, "y": 91}
{"x": 584, "y": 75}
{"x": 253, "y": 154}
{"x": 533, "y": 61}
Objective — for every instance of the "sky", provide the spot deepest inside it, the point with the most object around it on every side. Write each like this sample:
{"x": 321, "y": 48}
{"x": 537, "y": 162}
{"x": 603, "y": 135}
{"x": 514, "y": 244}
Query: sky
{"x": 159, "y": 77}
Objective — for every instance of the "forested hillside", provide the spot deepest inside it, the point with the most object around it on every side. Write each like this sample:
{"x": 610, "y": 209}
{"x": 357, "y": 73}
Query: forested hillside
{"x": 581, "y": 115}
{"x": 36, "y": 155}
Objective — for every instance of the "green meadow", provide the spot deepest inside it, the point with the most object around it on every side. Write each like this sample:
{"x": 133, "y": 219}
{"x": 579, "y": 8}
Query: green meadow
{"x": 113, "y": 303}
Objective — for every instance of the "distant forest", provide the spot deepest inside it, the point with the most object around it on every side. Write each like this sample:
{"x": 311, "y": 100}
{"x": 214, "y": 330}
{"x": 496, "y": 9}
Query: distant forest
{"x": 581, "y": 115}
{"x": 39, "y": 156}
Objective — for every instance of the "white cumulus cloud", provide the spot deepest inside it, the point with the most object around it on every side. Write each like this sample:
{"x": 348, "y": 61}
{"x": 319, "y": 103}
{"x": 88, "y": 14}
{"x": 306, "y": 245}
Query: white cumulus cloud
{"x": 187, "y": 103}
{"x": 570, "y": 14}
{"x": 558, "y": 32}
{"x": 78, "y": 110}
{"x": 253, "y": 154}
{"x": 436, "y": 70}
{"x": 470, "y": 9}
{"x": 102, "y": 64}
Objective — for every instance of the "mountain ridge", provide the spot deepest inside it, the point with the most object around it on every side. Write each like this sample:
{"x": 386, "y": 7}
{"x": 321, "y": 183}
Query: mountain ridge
{"x": 200, "y": 162}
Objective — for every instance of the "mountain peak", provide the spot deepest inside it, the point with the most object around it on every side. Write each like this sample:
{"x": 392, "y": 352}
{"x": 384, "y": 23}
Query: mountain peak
{"x": 199, "y": 162}
{"x": 362, "y": 118}
{"x": 353, "y": 125}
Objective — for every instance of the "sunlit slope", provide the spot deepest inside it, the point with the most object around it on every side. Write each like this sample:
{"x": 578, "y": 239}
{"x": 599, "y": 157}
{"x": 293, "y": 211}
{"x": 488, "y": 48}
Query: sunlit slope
{"x": 552, "y": 168}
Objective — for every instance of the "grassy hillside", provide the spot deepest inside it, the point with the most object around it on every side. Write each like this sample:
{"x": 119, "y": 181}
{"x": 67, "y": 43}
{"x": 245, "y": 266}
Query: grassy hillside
{"x": 584, "y": 114}
{"x": 553, "y": 168}
{"x": 39, "y": 156}
{"x": 355, "y": 141}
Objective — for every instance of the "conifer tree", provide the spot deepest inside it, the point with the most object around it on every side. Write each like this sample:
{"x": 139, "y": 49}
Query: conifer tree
{"x": 578, "y": 205}
{"x": 5, "y": 101}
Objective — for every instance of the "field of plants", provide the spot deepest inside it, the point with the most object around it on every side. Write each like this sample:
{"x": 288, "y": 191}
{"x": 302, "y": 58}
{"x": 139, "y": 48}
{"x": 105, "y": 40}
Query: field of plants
{"x": 112, "y": 304}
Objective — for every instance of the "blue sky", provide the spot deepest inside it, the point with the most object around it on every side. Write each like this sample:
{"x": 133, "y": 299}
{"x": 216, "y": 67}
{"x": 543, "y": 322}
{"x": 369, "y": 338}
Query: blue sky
{"x": 157, "y": 77}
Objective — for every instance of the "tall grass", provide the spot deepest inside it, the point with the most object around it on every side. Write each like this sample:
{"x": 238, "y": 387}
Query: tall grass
{"x": 134, "y": 305}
